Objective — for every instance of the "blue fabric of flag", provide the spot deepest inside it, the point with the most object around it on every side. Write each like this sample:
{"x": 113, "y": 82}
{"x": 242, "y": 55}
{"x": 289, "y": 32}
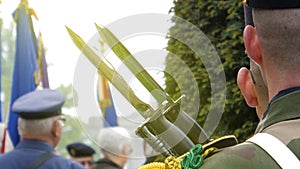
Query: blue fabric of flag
{"x": 25, "y": 66}
{"x": 106, "y": 103}
{"x": 110, "y": 114}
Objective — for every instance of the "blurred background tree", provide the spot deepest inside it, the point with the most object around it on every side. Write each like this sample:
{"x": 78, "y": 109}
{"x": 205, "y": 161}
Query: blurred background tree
{"x": 222, "y": 22}
{"x": 8, "y": 51}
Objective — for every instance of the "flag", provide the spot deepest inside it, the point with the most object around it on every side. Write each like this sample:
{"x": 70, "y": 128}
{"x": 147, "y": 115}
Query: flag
{"x": 3, "y": 137}
{"x": 43, "y": 73}
{"x": 106, "y": 103}
{"x": 25, "y": 74}
{"x": 5, "y": 144}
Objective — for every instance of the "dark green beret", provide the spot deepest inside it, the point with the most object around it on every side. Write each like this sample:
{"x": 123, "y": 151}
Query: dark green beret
{"x": 80, "y": 150}
{"x": 273, "y": 4}
{"x": 39, "y": 104}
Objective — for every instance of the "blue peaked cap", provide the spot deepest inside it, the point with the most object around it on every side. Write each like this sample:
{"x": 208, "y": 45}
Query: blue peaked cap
{"x": 39, "y": 104}
{"x": 80, "y": 150}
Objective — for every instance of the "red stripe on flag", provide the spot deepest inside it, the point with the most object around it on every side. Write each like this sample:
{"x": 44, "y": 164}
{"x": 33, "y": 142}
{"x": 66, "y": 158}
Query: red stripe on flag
{"x": 3, "y": 141}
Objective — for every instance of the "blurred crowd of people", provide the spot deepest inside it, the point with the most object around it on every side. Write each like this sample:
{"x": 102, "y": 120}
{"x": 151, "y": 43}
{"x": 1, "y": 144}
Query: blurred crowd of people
{"x": 40, "y": 127}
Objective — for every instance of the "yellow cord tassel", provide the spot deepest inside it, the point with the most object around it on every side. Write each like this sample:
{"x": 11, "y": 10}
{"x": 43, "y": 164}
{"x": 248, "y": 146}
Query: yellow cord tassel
{"x": 172, "y": 162}
{"x": 153, "y": 165}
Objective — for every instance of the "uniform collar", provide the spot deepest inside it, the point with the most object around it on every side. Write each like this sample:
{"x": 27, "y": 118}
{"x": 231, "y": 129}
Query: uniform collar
{"x": 35, "y": 144}
{"x": 285, "y": 92}
{"x": 108, "y": 162}
{"x": 282, "y": 107}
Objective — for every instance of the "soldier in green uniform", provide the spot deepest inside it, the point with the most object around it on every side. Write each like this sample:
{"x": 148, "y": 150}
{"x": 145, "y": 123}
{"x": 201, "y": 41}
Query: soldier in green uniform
{"x": 273, "y": 44}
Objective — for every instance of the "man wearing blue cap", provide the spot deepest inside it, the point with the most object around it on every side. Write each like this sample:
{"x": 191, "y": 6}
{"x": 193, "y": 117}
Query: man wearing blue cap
{"x": 272, "y": 42}
{"x": 40, "y": 127}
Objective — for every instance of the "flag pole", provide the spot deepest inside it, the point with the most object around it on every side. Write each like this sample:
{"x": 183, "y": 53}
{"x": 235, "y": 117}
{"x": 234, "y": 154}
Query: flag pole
{"x": 105, "y": 99}
{"x": 1, "y": 23}
{"x": 4, "y": 127}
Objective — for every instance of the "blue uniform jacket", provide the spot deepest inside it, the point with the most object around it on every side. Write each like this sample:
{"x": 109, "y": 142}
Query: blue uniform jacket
{"x": 28, "y": 150}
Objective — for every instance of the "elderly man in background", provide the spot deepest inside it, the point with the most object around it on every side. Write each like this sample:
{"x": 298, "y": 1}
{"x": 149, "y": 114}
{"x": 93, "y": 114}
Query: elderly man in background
{"x": 115, "y": 145}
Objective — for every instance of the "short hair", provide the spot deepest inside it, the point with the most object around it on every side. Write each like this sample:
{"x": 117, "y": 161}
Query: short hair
{"x": 279, "y": 36}
{"x": 113, "y": 139}
{"x": 37, "y": 127}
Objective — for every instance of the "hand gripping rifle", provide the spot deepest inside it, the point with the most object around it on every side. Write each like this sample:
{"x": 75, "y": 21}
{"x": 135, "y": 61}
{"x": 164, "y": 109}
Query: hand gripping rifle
{"x": 168, "y": 129}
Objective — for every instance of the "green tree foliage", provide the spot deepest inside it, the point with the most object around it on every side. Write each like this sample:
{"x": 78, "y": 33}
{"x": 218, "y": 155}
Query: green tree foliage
{"x": 70, "y": 96}
{"x": 222, "y": 22}
{"x": 72, "y": 132}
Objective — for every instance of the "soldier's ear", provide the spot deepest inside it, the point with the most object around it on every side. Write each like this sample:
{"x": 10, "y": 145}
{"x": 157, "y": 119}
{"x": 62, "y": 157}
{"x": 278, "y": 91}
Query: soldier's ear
{"x": 252, "y": 44}
{"x": 247, "y": 87}
{"x": 56, "y": 128}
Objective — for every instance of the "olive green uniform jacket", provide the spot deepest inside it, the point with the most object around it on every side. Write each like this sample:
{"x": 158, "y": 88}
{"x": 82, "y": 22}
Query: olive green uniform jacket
{"x": 281, "y": 120}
